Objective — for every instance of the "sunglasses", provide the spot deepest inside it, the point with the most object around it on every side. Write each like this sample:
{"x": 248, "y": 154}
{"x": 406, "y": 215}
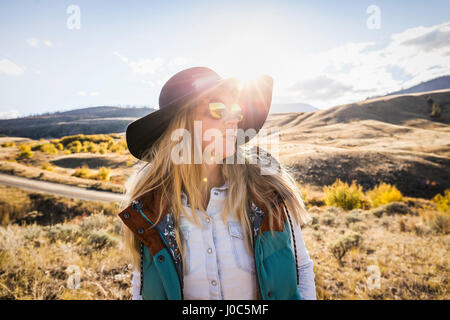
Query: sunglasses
{"x": 218, "y": 110}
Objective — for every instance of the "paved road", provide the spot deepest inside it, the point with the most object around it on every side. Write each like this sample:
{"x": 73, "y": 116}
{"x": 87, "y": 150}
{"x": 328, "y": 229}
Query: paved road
{"x": 59, "y": 189}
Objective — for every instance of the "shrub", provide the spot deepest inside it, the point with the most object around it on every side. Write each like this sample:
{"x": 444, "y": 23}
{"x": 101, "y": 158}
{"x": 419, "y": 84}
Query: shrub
{"x": 435, "y": 110}
{"x": 59, "y": 146}
{"x": 104, "y": 174}
{"x": 95, "y": 138}
{"x": 314, "y": 219}
{"x": 25, "y": 152}
{"x": 92, "y": 147}
{"x": 342, "y": 195}
{"x": 352, "y": 217}
{"x": 391, "y": 209}
{"x": 383, "y": 193}
{"x": 8, "y": 144}
{"x": 36, "y": 147}
{"x": 32, "y": 232}
{"x": 63, "y": 232}
{"x": 442, "y": 201}
{"x": 75, "y": 146}
{"x": 83, "y": 172}
{"x": 49, "y": 148}
{"x": 47, "y": 166}
{"x": 46, "y": 147}
{"x": 441, "y": 223}
{"x": 340, "y": 247}
{"x": 327, "y": 219}
{"x": 101, "y": 239}
{"x": 93, "y": 222}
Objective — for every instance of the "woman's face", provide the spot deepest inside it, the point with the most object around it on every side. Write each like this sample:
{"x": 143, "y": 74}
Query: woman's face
{"x": 224, "y": 129}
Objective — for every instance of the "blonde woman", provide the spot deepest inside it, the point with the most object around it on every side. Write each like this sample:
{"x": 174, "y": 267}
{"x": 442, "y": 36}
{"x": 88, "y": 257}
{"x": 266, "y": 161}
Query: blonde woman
{"x": 203, "y": 220}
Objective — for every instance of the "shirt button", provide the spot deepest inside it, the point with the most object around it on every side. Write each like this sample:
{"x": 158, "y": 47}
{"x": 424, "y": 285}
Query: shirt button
{"x": 213, "y": 282}
{"x": 216, "y": 193}
{"x": 209, "y": 250}
{"x": 208, "y": 219}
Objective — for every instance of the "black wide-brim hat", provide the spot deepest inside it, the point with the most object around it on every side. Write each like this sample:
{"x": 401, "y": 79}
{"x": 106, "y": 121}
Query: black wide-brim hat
{"x": 255, "y": 98}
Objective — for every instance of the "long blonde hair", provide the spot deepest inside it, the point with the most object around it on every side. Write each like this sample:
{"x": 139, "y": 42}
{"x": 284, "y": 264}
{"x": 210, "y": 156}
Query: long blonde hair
{"x": 244, "y": 182}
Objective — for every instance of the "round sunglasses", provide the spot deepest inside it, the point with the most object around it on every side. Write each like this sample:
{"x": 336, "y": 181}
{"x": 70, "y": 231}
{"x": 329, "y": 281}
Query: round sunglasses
{"x": 218, "y": 110}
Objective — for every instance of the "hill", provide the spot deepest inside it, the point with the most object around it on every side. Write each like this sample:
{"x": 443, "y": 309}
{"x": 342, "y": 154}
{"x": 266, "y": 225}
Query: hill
{"x": 430, "y": 85}
{"x": 390, "y": 139}
{"x": 92, "y": 120}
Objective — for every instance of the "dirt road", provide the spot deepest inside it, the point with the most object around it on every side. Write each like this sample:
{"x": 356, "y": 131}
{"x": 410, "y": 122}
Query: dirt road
{"x": 59, "y": 189}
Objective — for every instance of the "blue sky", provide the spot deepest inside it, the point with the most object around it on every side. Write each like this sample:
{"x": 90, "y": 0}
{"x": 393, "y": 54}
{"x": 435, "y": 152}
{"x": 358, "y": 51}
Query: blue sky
{"x": 318, "y": 52}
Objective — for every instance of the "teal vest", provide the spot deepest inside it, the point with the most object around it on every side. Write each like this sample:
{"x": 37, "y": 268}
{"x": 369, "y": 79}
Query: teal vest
{"x": 161, "y": 265}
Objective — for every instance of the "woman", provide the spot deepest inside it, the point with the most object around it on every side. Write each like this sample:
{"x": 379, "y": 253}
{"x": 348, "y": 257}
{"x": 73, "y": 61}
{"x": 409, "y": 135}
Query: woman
{"x": 202, "y": 219}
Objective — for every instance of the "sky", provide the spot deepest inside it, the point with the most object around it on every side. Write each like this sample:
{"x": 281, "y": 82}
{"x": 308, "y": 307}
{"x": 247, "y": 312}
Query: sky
{"x": 62, "y": 55}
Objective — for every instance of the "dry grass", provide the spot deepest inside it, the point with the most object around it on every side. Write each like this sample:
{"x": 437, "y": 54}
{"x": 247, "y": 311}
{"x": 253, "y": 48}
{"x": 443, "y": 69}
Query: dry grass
{"x": 411, "y": 256}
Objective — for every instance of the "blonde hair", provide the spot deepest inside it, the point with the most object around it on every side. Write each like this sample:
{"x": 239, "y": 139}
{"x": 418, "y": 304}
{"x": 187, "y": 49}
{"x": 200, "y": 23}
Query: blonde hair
{"x": 245, "y": 182}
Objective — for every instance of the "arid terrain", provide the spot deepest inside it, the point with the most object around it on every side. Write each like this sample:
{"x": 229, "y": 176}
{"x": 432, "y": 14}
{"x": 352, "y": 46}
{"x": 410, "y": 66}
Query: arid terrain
{"x": 367, "y": 240}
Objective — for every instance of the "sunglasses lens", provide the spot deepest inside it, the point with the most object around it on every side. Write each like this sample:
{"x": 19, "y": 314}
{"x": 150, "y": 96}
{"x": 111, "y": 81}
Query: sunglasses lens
{"x": 217, "y": 109}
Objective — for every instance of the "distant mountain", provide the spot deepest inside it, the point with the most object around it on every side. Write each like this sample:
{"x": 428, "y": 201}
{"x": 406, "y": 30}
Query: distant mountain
{"x": 430, "y": 85}
{"x": 291, "y": 107}
{"x": 409, "y": 109}
{"x": 92, "y": 120}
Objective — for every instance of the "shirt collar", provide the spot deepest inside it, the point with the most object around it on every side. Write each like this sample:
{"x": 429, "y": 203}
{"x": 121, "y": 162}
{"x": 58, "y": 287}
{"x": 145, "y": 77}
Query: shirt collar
{"x": 221, "y": 188}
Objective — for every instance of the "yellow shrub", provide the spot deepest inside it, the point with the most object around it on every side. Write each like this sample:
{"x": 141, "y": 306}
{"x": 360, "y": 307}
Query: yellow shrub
{"x": 48, "y": 148}
{"x": 74, "y": 146}
{"x": 340, "y": 194}
{"x": 383, "y": 193}
{"x": 92, "y": 147}
{"x": 47, "y": 166}
{"x": 59, "y": 146}
{"x": 8, "y": 144}
{"x": 83, "y": 172}
{"x": 25, "y": 151}
{"x": 104, "y": 174}
{"x": 442, "y": 201}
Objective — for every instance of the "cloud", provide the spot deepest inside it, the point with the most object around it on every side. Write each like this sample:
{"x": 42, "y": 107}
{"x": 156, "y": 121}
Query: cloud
{"x": 146, "y": 66}
{"x": 85, "y": 93}
{"x": 151, "y": 66}
{"x": 10, "y": 114}
{"x": 10, "y": 68}
{"x": 321, "y": 87}
{"x": 33, "y": 42}
{"x": 177, "y": 62}
{"x": 355, "y": 71}
{"x": 124, "y": 59}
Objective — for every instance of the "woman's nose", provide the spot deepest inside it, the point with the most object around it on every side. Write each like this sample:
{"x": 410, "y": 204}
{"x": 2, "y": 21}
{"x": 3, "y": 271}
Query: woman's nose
{"x": 231, "y": 120}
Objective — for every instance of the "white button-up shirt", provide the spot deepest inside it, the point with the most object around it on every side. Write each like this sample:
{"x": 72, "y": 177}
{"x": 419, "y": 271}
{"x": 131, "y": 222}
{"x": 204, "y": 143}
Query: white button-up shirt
{"x": 219, "y": 267}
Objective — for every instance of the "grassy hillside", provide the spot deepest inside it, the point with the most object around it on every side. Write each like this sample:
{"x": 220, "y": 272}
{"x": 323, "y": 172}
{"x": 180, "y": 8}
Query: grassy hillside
{"x": 92, "y": 120}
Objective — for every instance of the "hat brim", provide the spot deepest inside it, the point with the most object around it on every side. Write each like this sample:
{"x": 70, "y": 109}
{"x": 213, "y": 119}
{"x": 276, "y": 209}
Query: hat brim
{"x": 255, "y": 98}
